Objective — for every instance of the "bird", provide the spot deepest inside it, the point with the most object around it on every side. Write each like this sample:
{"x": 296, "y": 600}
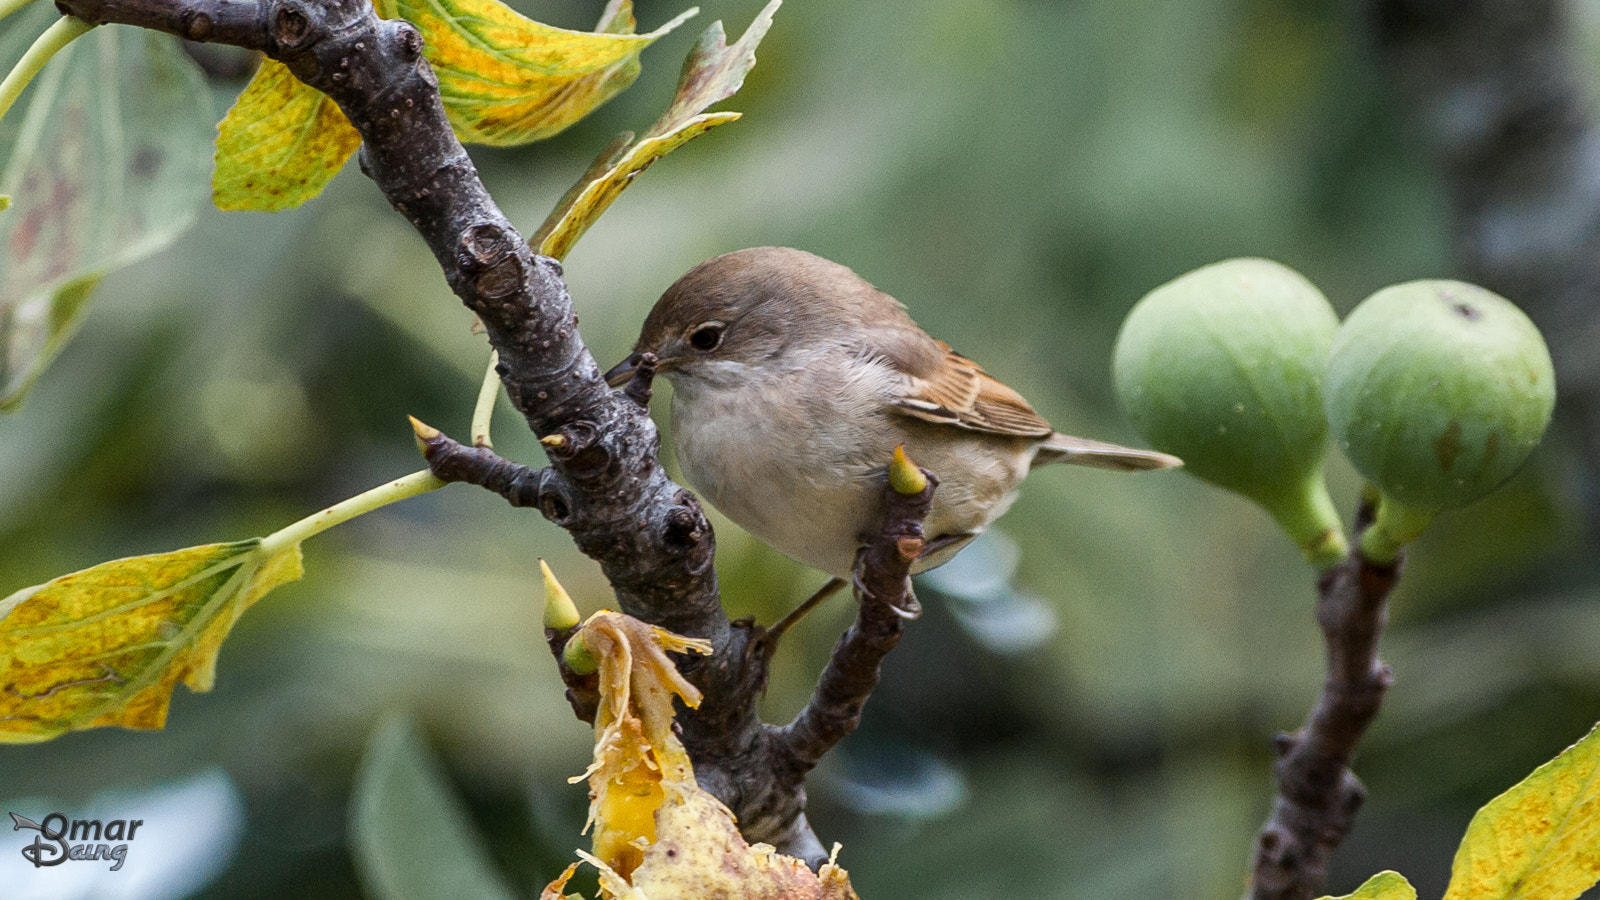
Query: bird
{"x": 794, "y": 380}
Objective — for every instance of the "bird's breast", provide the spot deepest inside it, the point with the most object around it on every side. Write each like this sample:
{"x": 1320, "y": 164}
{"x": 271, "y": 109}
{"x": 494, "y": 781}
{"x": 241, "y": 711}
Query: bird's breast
{"x": 802, "y": 464}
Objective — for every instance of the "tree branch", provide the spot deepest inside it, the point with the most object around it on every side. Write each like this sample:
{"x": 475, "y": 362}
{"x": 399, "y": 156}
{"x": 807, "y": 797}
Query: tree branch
{"x": 604, "y": 484}
{"x": 647, "y": 533}
{"x": 886, "y": 605}
{"x": 1318, "y": 796}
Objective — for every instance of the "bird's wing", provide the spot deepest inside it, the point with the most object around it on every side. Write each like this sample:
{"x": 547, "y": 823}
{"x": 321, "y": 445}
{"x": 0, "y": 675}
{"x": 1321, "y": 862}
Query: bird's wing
{"x": 946, "y": 388}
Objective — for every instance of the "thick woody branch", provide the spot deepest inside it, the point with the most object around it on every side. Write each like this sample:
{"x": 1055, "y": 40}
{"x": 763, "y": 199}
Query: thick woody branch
{"x": 1318, "y": 796}
{"x": 647, "y": 533}
{"x": 604, "y": 484}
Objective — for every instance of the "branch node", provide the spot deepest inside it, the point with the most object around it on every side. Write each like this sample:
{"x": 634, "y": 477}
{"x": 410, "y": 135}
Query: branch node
{"x": 291, "y": 27}
{"x": 683, "y": 524}
{"x": 571, "y": 440}
{"x": 409, "y": 40}
{"x": 487, "y": 255}
{"x": 554, "y": 505}
{"x": 909, "y": 547}
{"x": 196, "y": 24}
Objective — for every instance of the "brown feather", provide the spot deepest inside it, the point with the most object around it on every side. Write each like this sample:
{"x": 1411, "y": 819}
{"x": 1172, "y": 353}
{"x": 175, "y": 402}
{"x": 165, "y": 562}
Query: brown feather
{"x": 957, "y": 391}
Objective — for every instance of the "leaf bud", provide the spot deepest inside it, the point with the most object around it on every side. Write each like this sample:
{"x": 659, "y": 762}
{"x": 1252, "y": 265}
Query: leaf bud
{"x": 904, "y": 476}
{"x": 560, "y": 613}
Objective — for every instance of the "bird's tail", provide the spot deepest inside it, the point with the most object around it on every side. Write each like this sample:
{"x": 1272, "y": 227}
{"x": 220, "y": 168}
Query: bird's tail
{"x": 1064, "y": 448}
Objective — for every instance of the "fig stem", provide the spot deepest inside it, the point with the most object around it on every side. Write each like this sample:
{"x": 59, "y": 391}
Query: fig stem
{"x": 1308, "y": 516}
{"x": 1396, "y": 526}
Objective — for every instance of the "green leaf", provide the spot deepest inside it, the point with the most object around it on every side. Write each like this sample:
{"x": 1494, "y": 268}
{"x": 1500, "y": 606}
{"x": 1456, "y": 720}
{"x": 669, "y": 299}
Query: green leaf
{"x": 107, "y": 167}
{"x": 409, "y": 833}
{"x": 714, "y": 71}
{"x": 1541, "y": 839}
{"x": 506, "y": 79}
{"x": 280, "y": 144}
{"x": 107, "y": 645}
{"x": 1383, "y": 886}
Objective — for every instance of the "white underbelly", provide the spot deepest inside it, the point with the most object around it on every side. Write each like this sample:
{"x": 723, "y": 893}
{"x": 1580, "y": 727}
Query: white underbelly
{"x": 818, "y": 499}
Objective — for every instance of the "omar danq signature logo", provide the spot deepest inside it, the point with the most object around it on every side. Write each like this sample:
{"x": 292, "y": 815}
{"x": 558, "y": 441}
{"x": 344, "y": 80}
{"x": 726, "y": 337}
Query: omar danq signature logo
{"x": 53, "y": 845}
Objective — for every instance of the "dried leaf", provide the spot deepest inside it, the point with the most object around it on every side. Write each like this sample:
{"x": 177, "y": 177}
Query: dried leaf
{"x": 1541, "y": 839}
{"x": 107, "y": 645}
{"x": 635, "y": 750}
{"x": 714, "y": 71}
{"x": 280, "y": 144}
{"x": 701, "y": 855}
{"x": 1382, "y": 886}
{"x": 658, "y": 834}
{"x": 506, "y": 79}
{"x": 107, "y": 168}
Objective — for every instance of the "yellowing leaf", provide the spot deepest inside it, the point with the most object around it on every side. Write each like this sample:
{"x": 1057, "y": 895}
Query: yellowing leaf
{"x": 280, "y": 144}
{"x": 714, "y": 71}
{"x": 1541, "y": 839}
{"x": 1382, "y": 886}
{"x": 506, "y": 79}
{"x": 107, "y": 645}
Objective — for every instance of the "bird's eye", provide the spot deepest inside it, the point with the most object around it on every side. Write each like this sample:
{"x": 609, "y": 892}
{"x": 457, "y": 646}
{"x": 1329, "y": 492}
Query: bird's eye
{"x": 707, "y": 336}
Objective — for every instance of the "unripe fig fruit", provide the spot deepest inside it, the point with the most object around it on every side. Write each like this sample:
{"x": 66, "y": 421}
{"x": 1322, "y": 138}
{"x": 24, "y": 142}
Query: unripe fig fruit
{"x": 1437, "y": 391}
{"x": 1223, "y": 367}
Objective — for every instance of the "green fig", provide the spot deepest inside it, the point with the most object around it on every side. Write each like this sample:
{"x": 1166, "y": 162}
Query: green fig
{"x": 1223, "y": 367}
{"x": 1437, "y": 391}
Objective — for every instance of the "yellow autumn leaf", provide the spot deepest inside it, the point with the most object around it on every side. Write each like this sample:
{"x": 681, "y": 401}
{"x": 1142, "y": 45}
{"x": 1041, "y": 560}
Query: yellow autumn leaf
{"x": 107, "y": 645}
{"x": 280, "y": 144}
{"x": 714, "y": 71}
{"x": 657, "y": 834}
{"x": 1382, "y": 886}
{"x": 1541, "y": 839}
{"x": 506, "y": 79}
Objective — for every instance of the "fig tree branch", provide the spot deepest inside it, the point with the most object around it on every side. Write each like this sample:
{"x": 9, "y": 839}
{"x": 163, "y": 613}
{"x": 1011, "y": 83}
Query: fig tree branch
{"x": 648, "y": 534}
{"x": 1318, "y": 796}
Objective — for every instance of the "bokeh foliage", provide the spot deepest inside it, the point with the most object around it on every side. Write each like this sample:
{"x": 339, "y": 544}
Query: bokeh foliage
{"x": 1018, "y": 172}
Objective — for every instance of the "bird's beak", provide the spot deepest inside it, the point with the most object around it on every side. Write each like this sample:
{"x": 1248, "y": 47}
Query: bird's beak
{"x": 622, "y": 371}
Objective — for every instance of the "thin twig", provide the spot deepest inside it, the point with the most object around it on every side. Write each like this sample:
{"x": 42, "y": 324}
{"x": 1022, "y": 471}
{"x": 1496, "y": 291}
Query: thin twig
{"x": 857, "y": 661}
{"x": 769, "y": 639}
{"x": 1318, "y": 795}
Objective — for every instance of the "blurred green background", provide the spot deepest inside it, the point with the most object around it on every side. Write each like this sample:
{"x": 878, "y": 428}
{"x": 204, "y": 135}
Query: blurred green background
{"x": 1018, "y": 172}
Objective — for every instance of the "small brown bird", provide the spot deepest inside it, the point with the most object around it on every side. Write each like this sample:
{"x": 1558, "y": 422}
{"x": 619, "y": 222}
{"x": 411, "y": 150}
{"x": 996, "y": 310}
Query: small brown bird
{"x": 793, "y": 381}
